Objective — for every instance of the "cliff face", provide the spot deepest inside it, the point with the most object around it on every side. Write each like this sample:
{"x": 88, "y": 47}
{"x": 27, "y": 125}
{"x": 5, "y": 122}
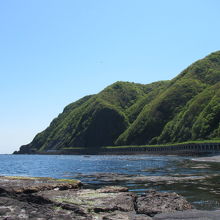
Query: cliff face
{"x": 185, "y": 108}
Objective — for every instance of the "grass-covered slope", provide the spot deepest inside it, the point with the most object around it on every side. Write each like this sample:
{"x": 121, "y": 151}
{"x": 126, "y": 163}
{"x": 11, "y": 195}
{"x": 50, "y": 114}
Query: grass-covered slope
{"x": 198, "y": 120}
{"x": 185, "y": 108}
{"x": 94, "y": 121}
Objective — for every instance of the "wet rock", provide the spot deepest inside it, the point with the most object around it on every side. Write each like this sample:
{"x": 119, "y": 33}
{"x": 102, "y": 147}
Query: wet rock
{"x": 155, "y": 202}
{"x": 4, "y": 210}
{"x": 117, "y": 178}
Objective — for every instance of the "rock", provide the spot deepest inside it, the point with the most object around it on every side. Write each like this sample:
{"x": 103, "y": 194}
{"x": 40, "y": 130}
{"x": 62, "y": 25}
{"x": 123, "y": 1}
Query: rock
{"x": 154, "y": 202}
{"x": 46, "y": 198}
{"x": 118, "y": 205}
{"x": 92, "y": 200}
{"x": 117, "y": 215}
{"x": 114, "y": 177}
{"x": 112, "y": 189}
{"x": 15, "y": 209}
{"x": 34, "y": 184}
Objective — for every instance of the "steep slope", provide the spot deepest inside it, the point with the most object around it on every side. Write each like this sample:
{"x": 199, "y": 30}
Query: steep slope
{"x": 157, "y": 113}
{"x": 93, "y": 121}
{"x": 199, "y": 119}
{"x": 185, "y": 108}
{"x": 156, "y": 122}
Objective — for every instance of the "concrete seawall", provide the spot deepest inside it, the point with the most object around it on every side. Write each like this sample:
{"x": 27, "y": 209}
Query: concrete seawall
{"x": 180, "y": 149}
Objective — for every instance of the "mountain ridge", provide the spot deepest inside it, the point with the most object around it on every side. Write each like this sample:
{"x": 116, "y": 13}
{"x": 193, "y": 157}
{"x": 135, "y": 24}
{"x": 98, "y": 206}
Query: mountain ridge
{"x": 125, "y": 113}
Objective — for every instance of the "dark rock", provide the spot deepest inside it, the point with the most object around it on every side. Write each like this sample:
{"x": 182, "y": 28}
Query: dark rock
{"x": 114, "y": 177}
{"x": 15, "y": 209}
{"x": 4, "y": 211}
{"x": 154, "y": 202}
{"x": 117, "y": 215}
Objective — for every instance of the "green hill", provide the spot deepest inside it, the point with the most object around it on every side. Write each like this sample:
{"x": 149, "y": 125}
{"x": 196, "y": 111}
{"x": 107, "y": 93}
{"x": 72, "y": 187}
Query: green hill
{"x": 185, "y": 108}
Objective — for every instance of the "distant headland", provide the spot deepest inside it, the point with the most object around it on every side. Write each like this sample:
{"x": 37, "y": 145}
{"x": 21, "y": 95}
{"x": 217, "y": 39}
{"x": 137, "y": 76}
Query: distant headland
{"x": 186, "y": 108}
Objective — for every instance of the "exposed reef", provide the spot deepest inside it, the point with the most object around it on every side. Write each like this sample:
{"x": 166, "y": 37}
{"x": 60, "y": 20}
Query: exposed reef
{"x": 47, "y": 198}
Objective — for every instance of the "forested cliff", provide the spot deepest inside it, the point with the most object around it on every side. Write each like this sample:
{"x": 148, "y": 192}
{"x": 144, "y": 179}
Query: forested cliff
{"x": 184, "y": 108}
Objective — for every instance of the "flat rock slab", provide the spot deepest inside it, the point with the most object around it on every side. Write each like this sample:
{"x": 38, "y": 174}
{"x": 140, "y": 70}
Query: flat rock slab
{"x": 114, "y": 177}
{"x": 34, "y": 184}
{"x": 92, "y": 200}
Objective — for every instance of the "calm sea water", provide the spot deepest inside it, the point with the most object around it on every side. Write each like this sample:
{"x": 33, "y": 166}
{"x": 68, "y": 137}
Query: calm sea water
{"x": 203, "y": 194}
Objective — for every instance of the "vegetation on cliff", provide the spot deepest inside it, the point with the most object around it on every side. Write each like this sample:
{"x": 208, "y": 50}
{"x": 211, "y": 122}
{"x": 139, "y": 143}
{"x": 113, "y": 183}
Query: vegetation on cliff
{"x": 185, "y": 108}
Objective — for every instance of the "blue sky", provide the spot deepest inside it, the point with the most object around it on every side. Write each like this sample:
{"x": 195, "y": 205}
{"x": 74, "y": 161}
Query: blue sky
{"x": 54, "y": 52}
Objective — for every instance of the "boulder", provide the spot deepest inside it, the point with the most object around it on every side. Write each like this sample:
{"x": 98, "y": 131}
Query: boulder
{"x": 154, "y": 202}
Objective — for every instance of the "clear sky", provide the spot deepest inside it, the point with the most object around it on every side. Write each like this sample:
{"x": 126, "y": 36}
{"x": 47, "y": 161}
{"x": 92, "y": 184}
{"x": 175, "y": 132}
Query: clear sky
{"x": 53, "y": 52}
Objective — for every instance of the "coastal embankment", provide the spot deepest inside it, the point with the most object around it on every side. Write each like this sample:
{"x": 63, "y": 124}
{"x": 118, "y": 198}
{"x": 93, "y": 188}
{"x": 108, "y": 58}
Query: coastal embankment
{"x": 175, "y": 149}
{"x": 168, "y": 149}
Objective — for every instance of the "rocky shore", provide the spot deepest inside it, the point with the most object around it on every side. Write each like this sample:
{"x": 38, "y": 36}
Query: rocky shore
{"x": 47, "y": 198}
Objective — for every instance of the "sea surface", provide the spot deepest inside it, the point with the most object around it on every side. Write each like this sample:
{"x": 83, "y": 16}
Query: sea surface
{"x": 198, "y": 181}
